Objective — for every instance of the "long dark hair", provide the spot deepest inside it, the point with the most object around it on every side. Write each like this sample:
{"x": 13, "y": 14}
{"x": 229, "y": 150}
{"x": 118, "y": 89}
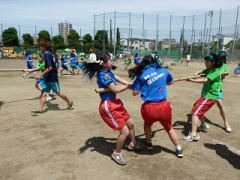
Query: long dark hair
{"x": 215, "y": 58}
{"x": 137, "y": 70}
{"x": 89, "y": 69}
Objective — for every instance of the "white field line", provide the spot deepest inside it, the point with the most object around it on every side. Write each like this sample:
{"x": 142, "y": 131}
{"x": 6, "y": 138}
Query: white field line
{"x": 237, "y": 151}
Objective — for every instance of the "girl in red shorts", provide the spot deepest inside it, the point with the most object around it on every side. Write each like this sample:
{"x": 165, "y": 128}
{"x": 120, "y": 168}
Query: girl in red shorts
{"x": 151, "y": 81}
{"x": 210, "y": 93}
{"x": 112, "y": 109}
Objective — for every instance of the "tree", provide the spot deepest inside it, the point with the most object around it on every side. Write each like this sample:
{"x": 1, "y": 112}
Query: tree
{"x": 73, "y": 39}
{"x": 10, "y": 37}
{"x": 87, "y": 43}
{"x": 58, "y": 42}
{"x": 44, "y": 35}
{"x": 27, "y": 41}
{"x": 101, "y": 40}
{"x": 152, "y": 46}
{"x": 118, "y": 37}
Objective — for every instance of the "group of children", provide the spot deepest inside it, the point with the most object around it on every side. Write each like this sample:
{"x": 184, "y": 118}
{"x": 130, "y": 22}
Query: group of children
{"x": 150, "y": 80}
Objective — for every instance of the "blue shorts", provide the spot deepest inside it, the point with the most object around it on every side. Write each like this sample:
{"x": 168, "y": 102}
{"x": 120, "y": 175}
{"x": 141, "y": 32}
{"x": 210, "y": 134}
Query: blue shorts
{"x": 74, "y": 66}
{"x": 220, "y": 96}
{"x": 65, "y": 68}
{"x": 48, "y": 86}
{"x": 30, "y": 65}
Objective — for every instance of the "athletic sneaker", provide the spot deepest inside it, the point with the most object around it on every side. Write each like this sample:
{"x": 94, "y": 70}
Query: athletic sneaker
{"x": 37, "y": 112}
{"x": 49, "y": 98}
{"x": 179, "y": 153}
{"x": 204, "y": 127}
{"x": 228, "y": 128}
{"x": 148, "y": 145}
{"x": 70, "y": 105}
{"x": 190, "y": 137}
{"x": 118, "y": 158}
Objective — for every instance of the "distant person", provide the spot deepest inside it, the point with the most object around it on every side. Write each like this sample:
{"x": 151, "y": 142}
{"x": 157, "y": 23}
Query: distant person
{"x": 237, "y": 70}
{"x": 2, "y": 54}
{"x": 73, "y": 62}
{"x": 64, "y": 65}
{"x": 92, "y": 56}
{"x": 137, "y": 59}
{"x": 29, "y": 63}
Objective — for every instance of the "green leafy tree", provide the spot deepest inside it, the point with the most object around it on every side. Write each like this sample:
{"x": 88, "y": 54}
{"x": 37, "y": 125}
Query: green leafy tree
{"x": 73, "y": 39}
{"x": 58, "y": 42}
{"x": 101, "y": 40}
{"x": 10, "y": 37}
{"x": 87, "y": 43}
{"x": 118, "y": 37}
{"x": 44, "y": 35}
{"x": 27, "y": 41}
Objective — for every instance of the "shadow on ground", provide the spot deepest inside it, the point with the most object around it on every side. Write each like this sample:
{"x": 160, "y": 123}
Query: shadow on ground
{"x": 223, "y": 151}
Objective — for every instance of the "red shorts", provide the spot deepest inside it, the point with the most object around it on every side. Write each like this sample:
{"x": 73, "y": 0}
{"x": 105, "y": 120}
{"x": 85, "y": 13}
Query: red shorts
{"x": 157, "y": 111}
{"x": 113, "y": 113}
{"x": 201, "y": 106}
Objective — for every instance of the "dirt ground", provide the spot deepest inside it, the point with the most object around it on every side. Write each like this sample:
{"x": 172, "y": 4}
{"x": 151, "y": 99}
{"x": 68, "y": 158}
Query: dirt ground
{"x": 77, "y": 144}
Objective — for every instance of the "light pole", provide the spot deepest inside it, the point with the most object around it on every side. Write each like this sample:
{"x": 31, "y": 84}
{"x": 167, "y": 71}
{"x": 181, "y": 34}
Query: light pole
{"x": 210, "y": 13}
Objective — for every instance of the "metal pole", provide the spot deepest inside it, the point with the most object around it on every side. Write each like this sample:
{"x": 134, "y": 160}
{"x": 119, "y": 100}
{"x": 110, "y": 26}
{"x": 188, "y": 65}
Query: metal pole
{"x": 204, "y": 33}
{"x": 142, "y": 33}
{"x": 192, "y": 37}
{"x": 19, "y": 34}
{"x": 103, "y": 32}
{"x": 114, "y": 40}
{"x": 170, "y": 36}
{"x": 218, "y": 35}
{"x": 94, "y": 28}
{"x": 131, "y": 40}
{"x": 156, "y": 44}
{"x": 182, "y": 38}
{"x": 235, "y": 32}
{"x": 129, "y": 30}
{"x": 1, "y": 34}
{"x": 210, "y": 13}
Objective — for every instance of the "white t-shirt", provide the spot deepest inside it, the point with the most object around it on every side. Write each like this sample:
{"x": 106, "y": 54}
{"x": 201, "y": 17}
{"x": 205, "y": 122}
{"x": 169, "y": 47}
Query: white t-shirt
{"x": 92, "y": 57}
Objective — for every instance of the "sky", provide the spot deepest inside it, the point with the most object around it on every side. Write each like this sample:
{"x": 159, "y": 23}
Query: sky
{"x": 44, "y": 14}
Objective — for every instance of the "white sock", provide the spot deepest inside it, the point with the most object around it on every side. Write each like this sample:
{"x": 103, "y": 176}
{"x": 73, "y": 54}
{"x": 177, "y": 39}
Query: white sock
{"x": 178, "y": 147}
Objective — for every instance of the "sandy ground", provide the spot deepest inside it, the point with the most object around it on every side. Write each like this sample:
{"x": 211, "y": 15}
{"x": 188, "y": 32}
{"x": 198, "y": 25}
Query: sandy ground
{"x": 76, "y": 144}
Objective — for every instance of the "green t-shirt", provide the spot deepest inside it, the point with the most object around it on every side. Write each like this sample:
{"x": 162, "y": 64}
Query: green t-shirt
{"x": 41, "y": 65}
{"x": 211, "y": 89}
{"x": 223, "y": 69}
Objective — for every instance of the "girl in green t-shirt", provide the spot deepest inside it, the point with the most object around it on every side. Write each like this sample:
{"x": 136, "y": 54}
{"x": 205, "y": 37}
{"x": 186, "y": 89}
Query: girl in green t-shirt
{"x": 210, "y": 93}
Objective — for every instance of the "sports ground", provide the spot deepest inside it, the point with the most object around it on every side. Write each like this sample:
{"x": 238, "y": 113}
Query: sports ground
{"x": 76, "y": 144}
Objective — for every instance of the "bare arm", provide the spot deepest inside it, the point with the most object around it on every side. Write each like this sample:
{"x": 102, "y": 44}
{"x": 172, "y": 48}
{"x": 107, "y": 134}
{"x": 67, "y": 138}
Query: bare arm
{"x": 122, "y": 81}
{"x": 117, "y": 89}
{"x": 201, "y": 81}
{"x": 44, "y": 72}
{"x": 198, "y": 72}
{"x": 31, "y": 70}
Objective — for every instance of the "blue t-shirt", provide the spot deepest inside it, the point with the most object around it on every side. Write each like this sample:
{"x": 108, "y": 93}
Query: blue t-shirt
{"x": 64, "y": 62}
{"x": 73, "y": 60}
{"x": 152, "y": 84}
{"x": 104, "y": 78}
{"x": 51, "y": 76}
{"x": 137, "y": 60}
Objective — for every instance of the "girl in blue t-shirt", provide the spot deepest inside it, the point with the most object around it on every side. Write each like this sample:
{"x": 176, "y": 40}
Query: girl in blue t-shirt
{"x": 151, "y": 81}
{"x": 112, "y": 109}
{"x": 29, "y": 64}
